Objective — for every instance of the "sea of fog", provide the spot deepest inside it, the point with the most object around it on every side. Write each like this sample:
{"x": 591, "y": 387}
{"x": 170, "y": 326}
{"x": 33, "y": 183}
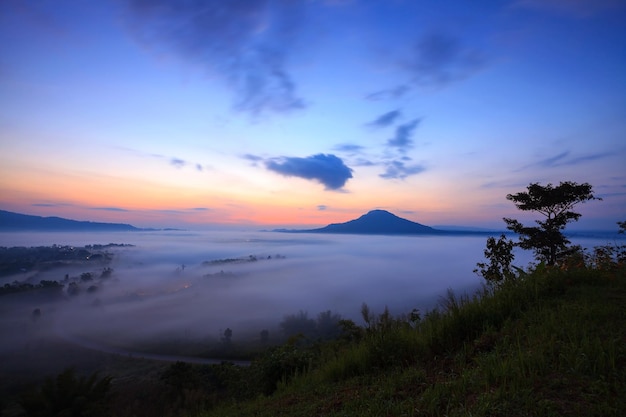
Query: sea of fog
{"x": 165, "y": 285}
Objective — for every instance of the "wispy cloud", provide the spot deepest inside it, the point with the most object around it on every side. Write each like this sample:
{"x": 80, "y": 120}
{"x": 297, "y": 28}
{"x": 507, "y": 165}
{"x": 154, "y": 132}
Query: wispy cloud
{"x": 322, "y": 207}
{"x": 50, "y": 205}
{"x": 402, "y": 140}
{"x": 349, "y": 148}
{"x": 393, "y": 93}
{"x": 327, "y": 169}
{"x": 115, "y": 209}
{"x": 247, "y": 43}
{"x": 386, "y": 119}
{"x": 564, "y": 159}
{"x": 399, "y": 170}
{"x": 439, "y": 59}
{"x": 178, "y": 163}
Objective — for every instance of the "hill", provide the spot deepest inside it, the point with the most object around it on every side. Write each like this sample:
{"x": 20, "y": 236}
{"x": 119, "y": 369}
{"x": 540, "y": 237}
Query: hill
{"x": 10, "y": 222}
{"x": 376, "y": 222}
{"x": 551, "y": 344}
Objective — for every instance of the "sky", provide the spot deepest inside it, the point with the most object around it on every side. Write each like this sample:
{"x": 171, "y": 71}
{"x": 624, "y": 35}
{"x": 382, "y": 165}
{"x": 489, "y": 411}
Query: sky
{"x": 164, "y": 113}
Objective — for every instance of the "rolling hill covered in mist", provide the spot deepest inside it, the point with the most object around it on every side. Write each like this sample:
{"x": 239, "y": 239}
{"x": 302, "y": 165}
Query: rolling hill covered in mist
{"x": 10, "y": 221}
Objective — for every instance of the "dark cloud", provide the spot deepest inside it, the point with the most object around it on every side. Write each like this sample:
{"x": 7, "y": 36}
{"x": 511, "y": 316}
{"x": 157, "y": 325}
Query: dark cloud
{"x": 398, "y": 170}
{"x": 328, "y": 169}
{"x": 178, "y": 163}
{"x": 246, "y": 42}
{"x": 199, "y": 168}
{"x": 402, "y": 139}
{"x": 440, "y": 59}
{"x": 386, "y": 119}
{"x": 201, "y": 209}
{"x": 322, "y": 207}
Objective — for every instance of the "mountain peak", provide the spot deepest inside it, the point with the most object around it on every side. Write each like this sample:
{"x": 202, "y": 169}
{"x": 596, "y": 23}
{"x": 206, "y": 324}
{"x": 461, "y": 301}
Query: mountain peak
{"x": 376, "y": 222}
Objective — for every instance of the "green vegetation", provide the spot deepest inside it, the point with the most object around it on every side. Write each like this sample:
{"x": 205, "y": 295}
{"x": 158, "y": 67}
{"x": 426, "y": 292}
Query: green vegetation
{"x": 69, "y": 395}
{"x": 16, "y": 260}
{"x": 548, "y": 343}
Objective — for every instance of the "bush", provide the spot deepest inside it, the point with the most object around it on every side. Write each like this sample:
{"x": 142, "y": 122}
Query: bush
{"x": 69, "y": 395}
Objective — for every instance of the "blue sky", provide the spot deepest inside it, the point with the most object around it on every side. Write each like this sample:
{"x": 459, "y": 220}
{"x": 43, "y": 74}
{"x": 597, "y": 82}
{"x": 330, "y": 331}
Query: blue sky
{"x": 309, "y": 112}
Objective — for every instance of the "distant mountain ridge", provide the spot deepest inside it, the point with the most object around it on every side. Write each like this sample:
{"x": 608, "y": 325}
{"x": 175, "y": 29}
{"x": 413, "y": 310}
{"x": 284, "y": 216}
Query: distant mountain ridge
{"x": 10, "y": 221}
{"x": 375, "y": 222}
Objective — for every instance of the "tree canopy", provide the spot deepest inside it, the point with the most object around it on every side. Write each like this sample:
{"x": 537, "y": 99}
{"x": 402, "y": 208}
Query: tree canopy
{"x": 556, "y": 205}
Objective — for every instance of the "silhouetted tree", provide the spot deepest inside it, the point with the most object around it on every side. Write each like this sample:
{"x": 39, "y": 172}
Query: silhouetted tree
{"x": 327, "y": 325}
{"x": 265, "y": 335}
{"x": 298, "y": 324}
{"x": 555, "y": 204}
{"x": 500, "y": 255}
{"x": 228, "y": 334}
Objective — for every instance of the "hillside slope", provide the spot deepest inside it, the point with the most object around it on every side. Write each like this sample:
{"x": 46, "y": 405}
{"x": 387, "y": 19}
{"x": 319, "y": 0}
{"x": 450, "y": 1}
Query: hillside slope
{"x": 375, "y": 222}
{"x": 552, "y": 345}
{"x": 10, "y": 221}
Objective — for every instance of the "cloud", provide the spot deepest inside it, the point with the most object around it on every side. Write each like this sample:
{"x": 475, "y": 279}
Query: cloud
{"x": 386, "y": 119}
{"x": 178, "y": 163}
{"x": 391, "y": 93}
{"x": 246, "y": 43}
{"x": 402, "y": 139}
{"x": 50, "y": 205}
{"x": 439, "y": 59}
{"x": 328, "y": 169}
{"x": 591, "y": 157}
{"x": 322, "y": 207}
{"x": 564, "y": 159}
{"x": 362, "y": 162}
{"x": 398, "y": 170}
{"x": 116, "y": 209}
{"x": 199, "y": 168}
{"x": 553, "y": 160}
{"x": 348, "y": 147}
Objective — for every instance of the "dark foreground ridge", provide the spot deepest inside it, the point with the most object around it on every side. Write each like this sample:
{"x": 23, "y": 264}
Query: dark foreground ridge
{"x": 10, "y": 221}
{"x": 376, "y": 222}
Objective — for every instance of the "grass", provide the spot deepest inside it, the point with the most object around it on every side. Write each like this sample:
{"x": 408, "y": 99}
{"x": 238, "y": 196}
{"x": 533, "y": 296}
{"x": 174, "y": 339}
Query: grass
{"x": 551, "y": 344}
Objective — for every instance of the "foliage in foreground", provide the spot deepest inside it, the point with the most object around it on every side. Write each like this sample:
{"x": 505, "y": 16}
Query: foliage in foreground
{"x": 69, "y": 395}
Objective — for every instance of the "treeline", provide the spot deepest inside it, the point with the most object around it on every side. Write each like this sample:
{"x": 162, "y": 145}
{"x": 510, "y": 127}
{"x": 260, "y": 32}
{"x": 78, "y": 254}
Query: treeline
{"x": 19, "y": 259}
{"x": 53, "y": 287}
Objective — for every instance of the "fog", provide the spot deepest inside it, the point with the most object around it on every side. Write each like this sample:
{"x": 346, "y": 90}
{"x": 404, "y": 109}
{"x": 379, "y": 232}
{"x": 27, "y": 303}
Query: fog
{"x": 166, "y": 287}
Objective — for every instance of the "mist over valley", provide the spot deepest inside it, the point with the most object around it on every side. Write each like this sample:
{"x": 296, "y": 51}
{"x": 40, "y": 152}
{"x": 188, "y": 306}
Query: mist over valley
{"x": 182, "y": 285}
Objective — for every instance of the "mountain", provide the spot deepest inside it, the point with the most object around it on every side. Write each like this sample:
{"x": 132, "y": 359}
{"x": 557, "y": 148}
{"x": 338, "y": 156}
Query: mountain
{"x": 376, "y": 222}
{"x": 10, "y": 221}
